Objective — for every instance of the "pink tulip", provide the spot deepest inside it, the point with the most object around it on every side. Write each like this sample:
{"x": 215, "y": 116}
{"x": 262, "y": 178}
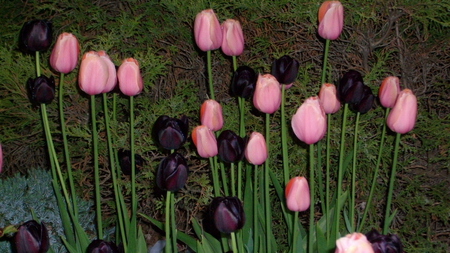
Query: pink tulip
{"x": 93, "y": 73}
{"x": 353, "y": 243}
{"x": 112, "y": 77}
{"x": 267, "y": 95}
{"x": 297, "y": 194}
{"x": 309, "y": 122}
{"x": 256, "y": 150}
{"x": 402, "y": 117}
{"x": 211, "y": 115}
{"x": 331, "y": 19}
{"x": 207, "y": 31}
{"x": 64, "y": 57}
{"x": 232, "y": 38}
{"x": 328, "y": 99}
{"x": 205, "y": 141}
{"x": 129, "y": 75}
{"x": 388, "y": 92}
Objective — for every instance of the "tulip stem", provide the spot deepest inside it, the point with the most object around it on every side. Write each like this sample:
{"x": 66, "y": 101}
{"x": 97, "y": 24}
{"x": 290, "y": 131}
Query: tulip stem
{"x": 233, "y": 180}
{"x": 325, "y": 59}
{"x": 38, "y": 67}
{"x": 266, "y": 187}
{"x": 320, "y": 175}
{"x": 255, "y": 210}
{"x": 311, "y": 196}
{"x": 233, "y": 242}
{"x": 391, "y": 185}
{"x": 173, "y": 233}
{"x": 327, "y": 183}
{"x": 224, "y": 178}
{"x": 241, "y": 134}
{"x": 215, "y": 177}
{"x": 352, "y": 200}
{"x": 284, "y": 137}
{"x": 295, "y": 233}
{"x": 168, "y": 247}
{"x": 234, "y": 62}
{"x": 133, "y": 226}
{"x": 208, "y": 63}
{"x": 375, "y": 172}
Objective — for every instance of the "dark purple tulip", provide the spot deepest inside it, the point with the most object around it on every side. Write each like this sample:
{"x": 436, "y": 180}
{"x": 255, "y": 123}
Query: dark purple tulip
{"x": 366, "y": 102}
{"x": 227, "y": 213}
{"x": 384, "y": 243}
{"x": 125, "y": 161}
{"x": 285, "y": 69}
{"x": 35, "y": 36}
{"x": 171, "y": 133}
{"x": 230, "y": 146}
{"x": 243, "y": 82}
{"x": 41, "y": 89}
{"x": 351, "y": 87}
{"x": 172, "y": 173}
{"x": 100, "y": 246}
{"x": 31, "y": 237}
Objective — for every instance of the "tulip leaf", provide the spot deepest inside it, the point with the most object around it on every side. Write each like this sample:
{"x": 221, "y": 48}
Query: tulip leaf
{"x": 141, "y": 245}
{"x": 202, "y": 234}
{"x": 321, "y": 242}
{"x": 68, "y": 246}
{"x": 347, "y": 221}
{"x": 248, "y": 208}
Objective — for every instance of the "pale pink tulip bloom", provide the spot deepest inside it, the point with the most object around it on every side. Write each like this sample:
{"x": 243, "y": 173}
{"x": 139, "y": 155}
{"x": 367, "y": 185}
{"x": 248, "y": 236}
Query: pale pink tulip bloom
{"x": 256, "y": 149}
{"x": 112, "y": 77}
{"x": 353, "y": 243}
{"x": 205, "y": 141}
{"x": 267, "y": 94}
{"x": 129, "y": 76}
{"x": 207, "y": 30}
{"x": 211, "y": 115}
{"x": 402, "y": 117}
{"x": 309, "y": 122}
{"x": 331, "y": 19}
{"x": 328, "y": 98}
{"x": 93, "y": 74}
{"x": 297, "y": 194}
{"x": 389, "y": 90}
{"x": 232, "y": 38}
{"x": 64, "y": 57}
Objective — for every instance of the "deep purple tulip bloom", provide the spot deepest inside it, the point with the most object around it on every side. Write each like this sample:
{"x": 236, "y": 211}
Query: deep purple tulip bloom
{"x": 231, "y": 147}
{"x": 351, "y": 87}
{"x": 100, "y": 246}
{"x": 171, "y": 133}
{"x": 384, "y": 243}
{"x": 35, "y": 36}
{"x": 125, "y": 161}
{"x": 366, "y": 102}
{"x": 172, "y": 173}
{"x": 243, "y": 82}
{"x": 285, "y": 69}
{"x": 31, "y": 237}
{"x": 41, "y": 89}
{"x": 227, "y": 214}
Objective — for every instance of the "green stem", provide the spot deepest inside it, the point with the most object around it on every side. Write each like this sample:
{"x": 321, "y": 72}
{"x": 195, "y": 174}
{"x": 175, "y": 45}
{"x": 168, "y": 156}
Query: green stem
{"x": 208, "y": 62}
{"x": 391, "y": 185}
{"x": 133, "y": 224}
{"x": 173, "y": 233}
{"x": 340, "y": 173}
{"x": 320, "y": 175}
{"x": 295, "y": 233}
{"x": 255, "y": 211}
{"x": 327, "y": 183}
{"x": 325, "y": 59}
{"x": 266, "y": 188}
{"x": 215, "y": 177}
{"x": 233, "y": 242}
{"x": 234, "y": 62}
{"x": 352, "y": 200}
{"x": 311, "y": 196}
{"x": 233, "y": 180}
{"x": 241, "y": 134}
{"x": 224, "y": 179}
{"x": 284, "y": 137}
{"x": 168, "y": 247}
{"x": 38, "y": 67}
{"x": 98, "y": 211}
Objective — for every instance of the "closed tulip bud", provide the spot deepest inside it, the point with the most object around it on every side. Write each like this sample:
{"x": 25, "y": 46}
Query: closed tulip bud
{"x": 41, "y": 89}
{"x": 129, "y": 75}
{"x": 402, "y": 117}
{"x": 297, "y": 194}
{"x": 351, "y": 87}
{"x": 64, "y": 57}
{"x": 36, "y": 35}
{"x": 31, "y": 237}
{"x": 331, "y": 20}
{"x": 227, "y": 214}
{"x": 267, "y": 97}
{"x": 243, "y": 82}
{"x": 93, "y": 73}
{"x": 232, "y": 38}
{"x": 211, "y": 115}
{"x": 100, "y": 246}
{"x": 112, "y": 75}
{"x": 204, "y": 141}
{"x": 256, "y": 149}
{"x": 328, "y": 98}
{"x": 384, "y": 243}
{"x": 353, "y": 243}
{"x": 309, "y": 122}
{"x": 230, "y": 146}
{"x": 366, "y": 102}
{"x": 172, "y": 173}
{"x": 207, "y": 30}
{"x": 389, "y": 90}
{"x": 285, "y": 69}
{"x": 171, "y": 133}
{"x": 125, "y": 161}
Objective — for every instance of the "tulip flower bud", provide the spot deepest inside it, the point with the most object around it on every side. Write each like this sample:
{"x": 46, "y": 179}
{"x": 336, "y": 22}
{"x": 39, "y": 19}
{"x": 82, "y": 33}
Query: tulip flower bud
{"x": 227, "y": 214}
{"x": 64, "y": 57}
{"x": 112, "y": 75}
{"x": 31, "y": 237}
{"x": 172, "y": 173}
{"x": 207, "y": 30}
{"x": 93, "y": 73}
{"x": 232, "y": 38}
{"x": 230, "y": 146}
{"x": 285, "y": 69}
{"x": 205, "y": 141}
{"x": 256, "y": 149}
{"x": 100, "y": 246}
{"x": 402, "y": 117}
{"x": 353, "y": 243}
{"x": 129, "y": 75}
{"x": 243, "y": 82}
{"x": 309, "y": 122}
{"x": 331, "y": 20}
{"x": 171, "y": 133}
{"x": 41, "y": 89}
{"x": 389, "y": 90}
{"x": 366, "y": 102}
{"x": 35, "y": 36}
{"x": 267, "y": 97}
{"x": 351, "y": 87}
{"x": 328, "y": 98}
{"x": 125, "y": 161}
{"x": 384, "y": 243}
{"x": 211, "y": 115}
{"x": 297, "y": 194}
